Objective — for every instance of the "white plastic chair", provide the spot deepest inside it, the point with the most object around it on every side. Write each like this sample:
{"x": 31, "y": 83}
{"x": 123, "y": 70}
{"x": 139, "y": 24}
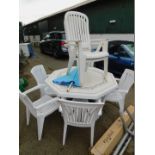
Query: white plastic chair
{"x": 40, "y": 76}
{"x": 80, "y": 114}
{"x": 79, "y": 45}
{"x": 118, "y": 95}
{"x": 40, "y": 108}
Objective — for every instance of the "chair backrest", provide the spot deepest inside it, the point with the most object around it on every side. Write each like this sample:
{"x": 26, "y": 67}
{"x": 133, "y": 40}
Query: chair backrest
{"x": 78, "y": 113}
{"x": 39, "y": 74}
{"x": 127, "y": 80}
{"x": 77, "y": 28}
{"x": 27, "y": 102}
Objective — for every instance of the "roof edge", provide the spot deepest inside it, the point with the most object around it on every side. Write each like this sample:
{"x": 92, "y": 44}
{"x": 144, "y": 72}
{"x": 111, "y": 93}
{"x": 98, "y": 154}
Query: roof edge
{"x": 63, "y": 10}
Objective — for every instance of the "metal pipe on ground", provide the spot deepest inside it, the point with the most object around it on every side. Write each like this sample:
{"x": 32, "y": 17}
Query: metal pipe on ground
{"x": 124, "y": 142}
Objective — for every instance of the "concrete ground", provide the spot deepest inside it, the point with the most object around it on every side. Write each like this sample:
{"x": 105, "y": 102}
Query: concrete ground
{"x": 78, "y": 139}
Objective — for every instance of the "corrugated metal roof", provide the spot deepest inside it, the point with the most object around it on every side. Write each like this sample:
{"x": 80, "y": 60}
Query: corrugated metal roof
{"x": 66, "y": 9}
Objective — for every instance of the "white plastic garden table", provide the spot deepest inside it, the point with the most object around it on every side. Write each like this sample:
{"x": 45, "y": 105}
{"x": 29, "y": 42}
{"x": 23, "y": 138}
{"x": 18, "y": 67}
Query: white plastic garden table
{"x": 95, "y": 86}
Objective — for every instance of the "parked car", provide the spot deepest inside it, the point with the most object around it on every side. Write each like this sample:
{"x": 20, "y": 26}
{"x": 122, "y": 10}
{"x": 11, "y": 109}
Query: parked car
{"x": 121, "y": 56}
{"x": 53, "y": 44}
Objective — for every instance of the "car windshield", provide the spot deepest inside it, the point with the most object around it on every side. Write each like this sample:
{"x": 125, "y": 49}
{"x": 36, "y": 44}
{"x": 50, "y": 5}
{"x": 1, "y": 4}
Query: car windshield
{"x": 130, "y": 48}
{"x": 47, "y": 36}
{"x": 58, "y": 36}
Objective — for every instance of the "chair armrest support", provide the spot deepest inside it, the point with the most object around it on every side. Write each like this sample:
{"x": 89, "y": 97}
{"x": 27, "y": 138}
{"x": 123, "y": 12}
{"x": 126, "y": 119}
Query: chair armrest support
{"x": 102, "y": 44}
{"x": 117, "y": 79}
{"x": 47, "y": 103}
{"x": 34, "y": 88}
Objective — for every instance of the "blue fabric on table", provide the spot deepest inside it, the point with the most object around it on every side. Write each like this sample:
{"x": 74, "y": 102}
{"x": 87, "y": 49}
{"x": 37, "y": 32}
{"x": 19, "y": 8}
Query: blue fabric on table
{"x": 66, "y": 80}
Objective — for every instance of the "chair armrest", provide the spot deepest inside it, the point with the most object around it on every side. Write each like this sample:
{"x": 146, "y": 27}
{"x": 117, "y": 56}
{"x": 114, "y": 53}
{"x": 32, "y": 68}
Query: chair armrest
{"x": 47, "y": 103}
{"x": 34, "y": 88}
{"x": 117, "y": 79}
{"x": 102, "y": 44}
{"x": 71, "y": 43}
{"x": 122, "y": 91}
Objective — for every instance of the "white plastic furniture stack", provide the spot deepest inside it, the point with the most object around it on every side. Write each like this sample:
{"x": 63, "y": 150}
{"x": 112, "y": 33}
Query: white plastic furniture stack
{"x": 80, "y": 114}
{"x": 31, "y": 38}
{"x": 40, "y": 76}
{"x": 37, "y": 39}
{"x": 79, "y": 45}
{"x": 40, "y": 108}
{"x": 118, "y": 95}
{"x": 24, "y": 48}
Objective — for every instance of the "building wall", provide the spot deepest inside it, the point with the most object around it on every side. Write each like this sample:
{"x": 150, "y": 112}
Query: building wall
{"x": 100, "y": 13}
{"x": 56, "y": 22}
{"x": 122, "y": 36}
{"x": 105, "y": 10}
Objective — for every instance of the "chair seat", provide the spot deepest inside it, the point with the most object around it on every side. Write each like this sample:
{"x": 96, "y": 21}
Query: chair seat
{"x": 47, "y": 109}
{"x": 114, "y": 96}
{"x": 49, "y": 91}
{"x": 95, "y": 55}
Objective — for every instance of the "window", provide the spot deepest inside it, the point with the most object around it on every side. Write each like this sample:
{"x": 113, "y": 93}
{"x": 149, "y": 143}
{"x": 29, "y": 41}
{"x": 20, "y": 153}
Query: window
{"x": 122, "y": 52}
{"x": 113, "y": 49}
{"x": 47, "y": 36}
{"x": 59, "y": 36}
{"x": 55, "y": 36}
{"x": 52, "y": 36}
{"x": 118, "y": 50}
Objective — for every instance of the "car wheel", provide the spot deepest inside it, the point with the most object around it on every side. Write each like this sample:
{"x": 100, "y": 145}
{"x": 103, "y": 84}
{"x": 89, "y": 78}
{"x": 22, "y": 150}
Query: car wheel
{"x": 42, "y": 49}
{"x": 55, "y": 54}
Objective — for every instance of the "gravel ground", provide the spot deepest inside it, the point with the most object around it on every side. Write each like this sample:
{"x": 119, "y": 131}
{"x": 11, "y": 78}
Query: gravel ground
{"x": 78, "y": 139}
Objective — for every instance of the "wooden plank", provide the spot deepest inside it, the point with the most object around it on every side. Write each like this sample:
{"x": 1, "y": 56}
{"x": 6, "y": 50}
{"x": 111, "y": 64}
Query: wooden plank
{"x": 112, "y": 136}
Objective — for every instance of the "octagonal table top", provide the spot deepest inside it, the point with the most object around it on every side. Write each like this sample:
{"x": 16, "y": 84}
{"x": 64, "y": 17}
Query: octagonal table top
{"x": 95, "y": 86}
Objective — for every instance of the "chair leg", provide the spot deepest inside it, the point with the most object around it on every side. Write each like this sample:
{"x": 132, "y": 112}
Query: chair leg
{"x": 64, "y": 133}
{"x": 121, "y": 103}
{"x": 92, "y": 135}
{"x": 40, "y": 123}
{"x": 60, "y": 109}
{"x": 100, "y": 112}
{"x": 82, "y": 68}
{"x": 72, "y": 56}
{"x": 105, "y": 67}
{"x": 27, "y": 116}
{"x": 70, "y": 64}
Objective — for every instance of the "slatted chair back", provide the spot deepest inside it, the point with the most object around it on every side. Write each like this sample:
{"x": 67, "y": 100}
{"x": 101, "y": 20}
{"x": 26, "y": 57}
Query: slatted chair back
{"x": 80, "y": 113}
{"x": 77, "y": 28}
{"x": 27, "y": 102}
{"x": 39, "y": 74}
